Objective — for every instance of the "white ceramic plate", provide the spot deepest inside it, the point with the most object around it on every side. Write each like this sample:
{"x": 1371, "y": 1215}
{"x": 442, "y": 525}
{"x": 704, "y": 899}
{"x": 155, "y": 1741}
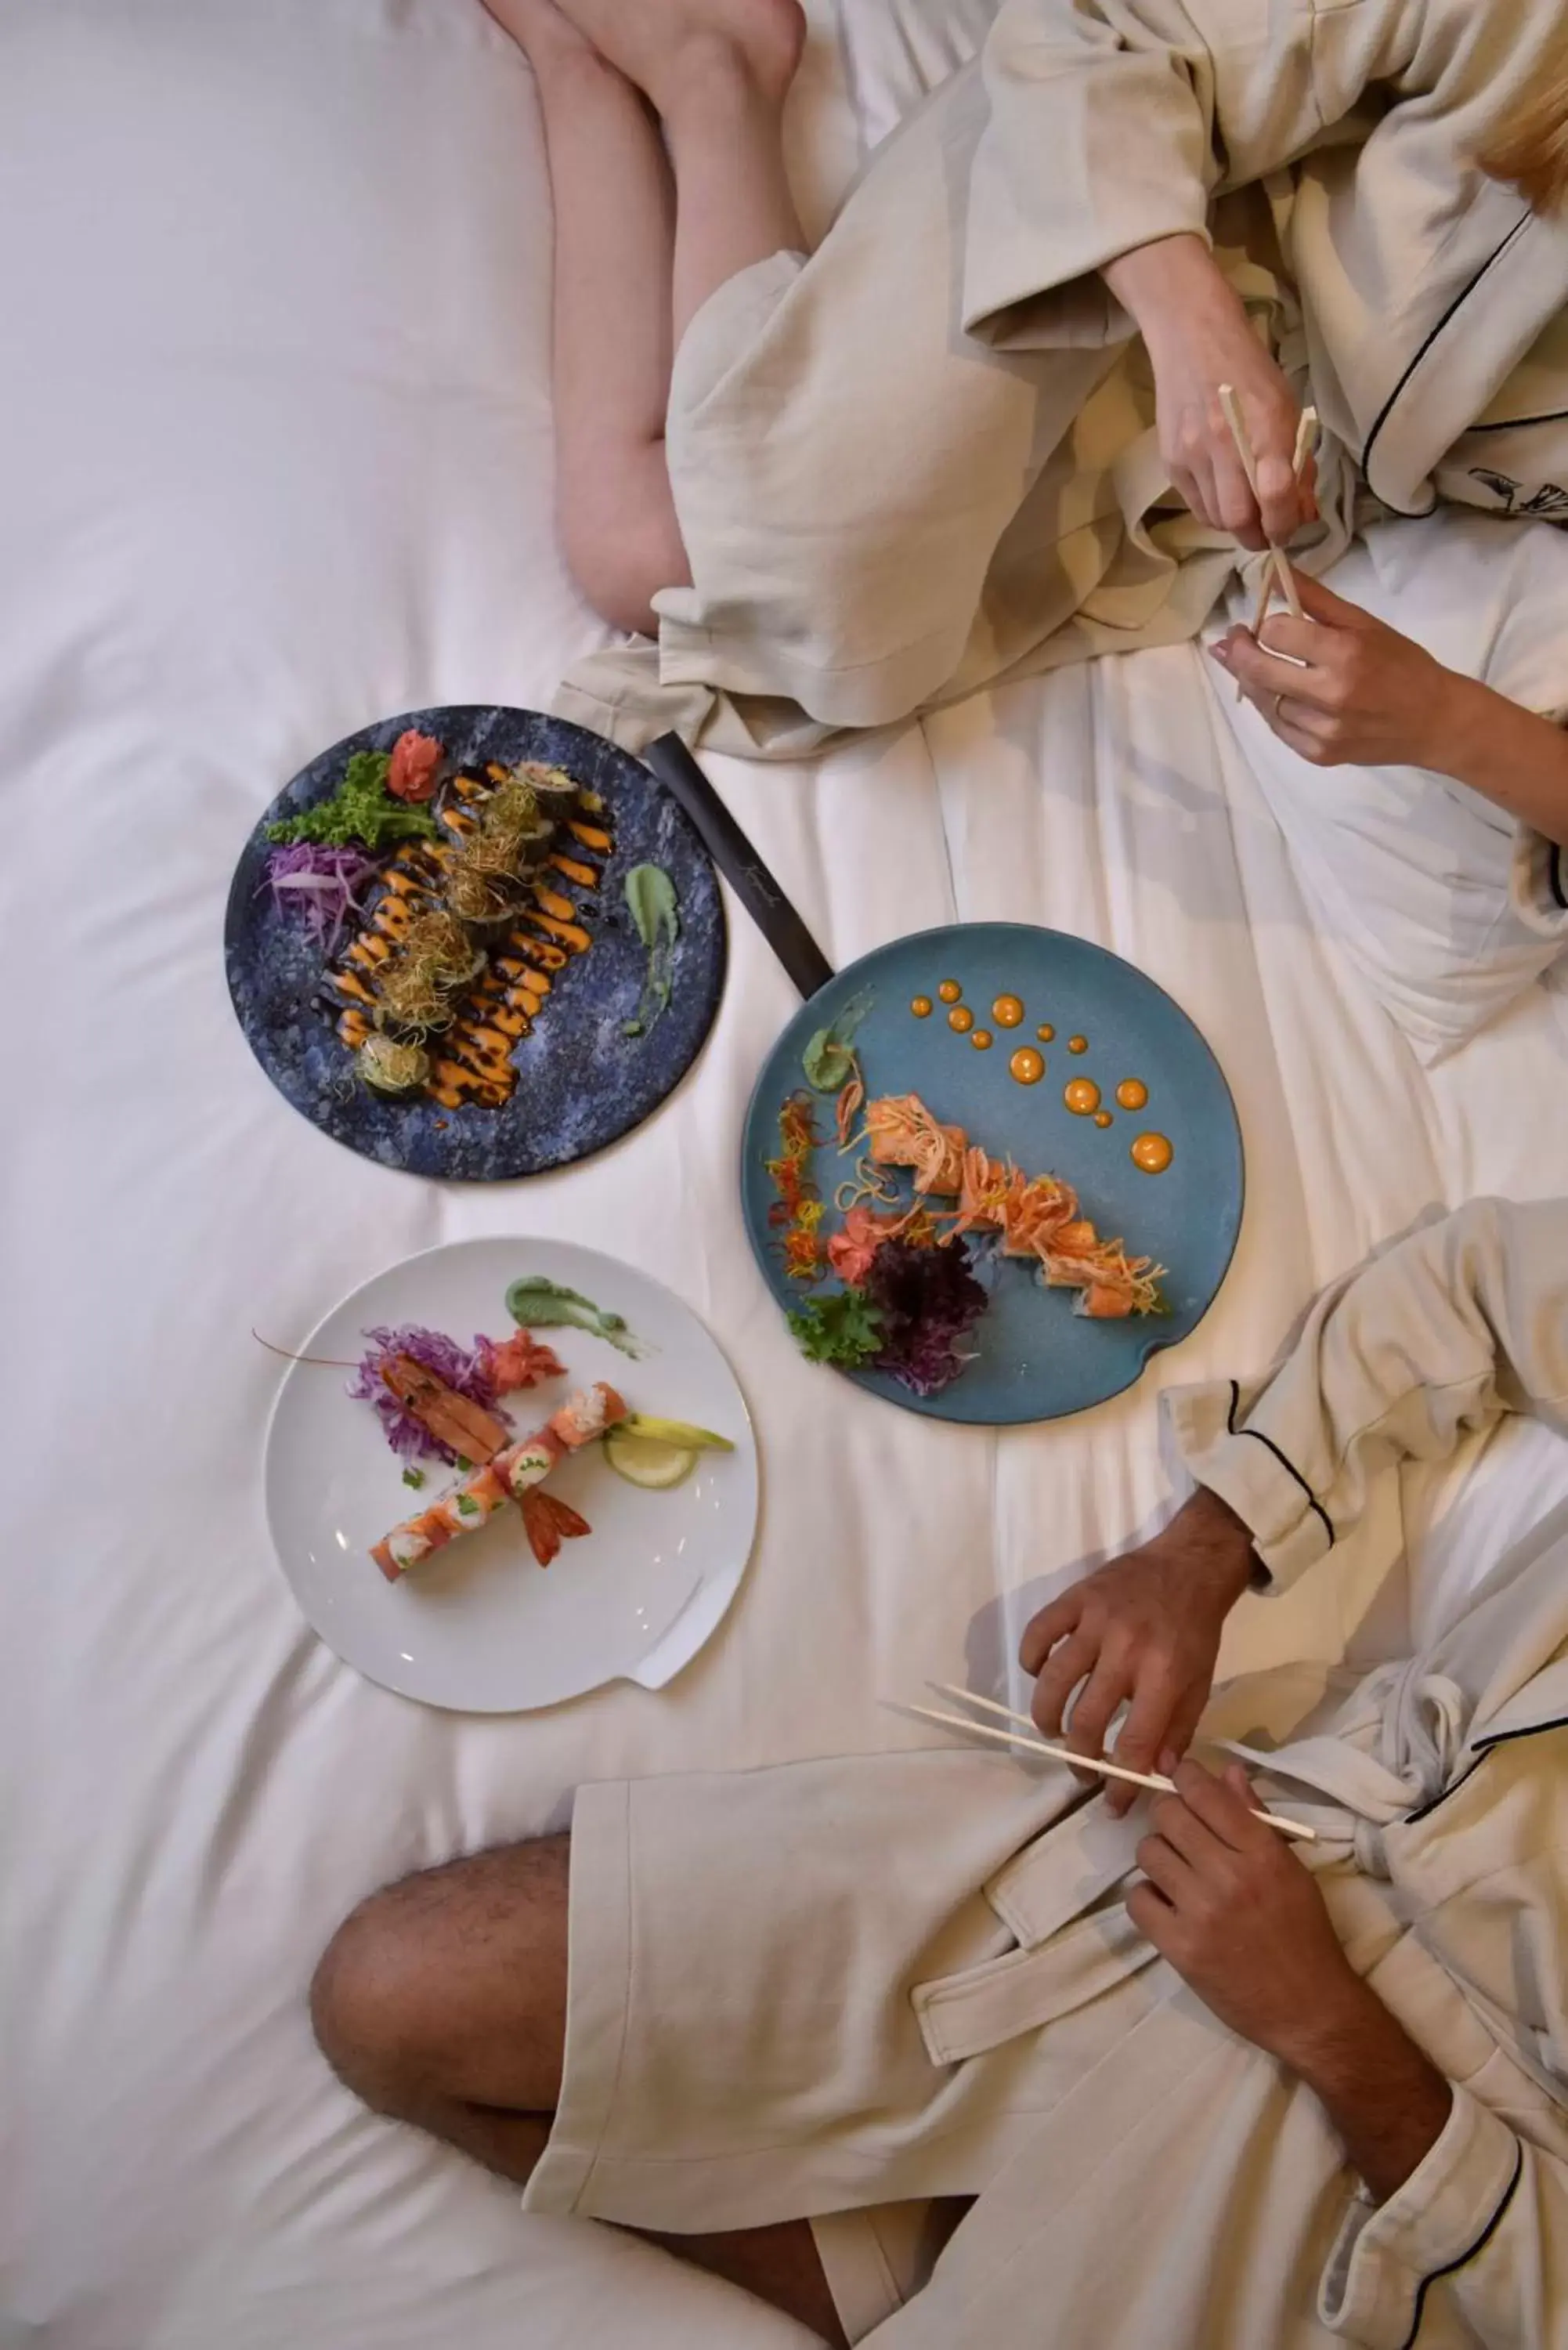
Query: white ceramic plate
{"x": 482, "y": 1630}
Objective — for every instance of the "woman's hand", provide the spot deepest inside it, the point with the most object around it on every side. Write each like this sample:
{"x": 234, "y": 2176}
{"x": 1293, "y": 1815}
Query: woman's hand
{"x": 1146, "y": 1628}
{"x": 1367, "y": 696}
{"x": 1198, "y": 338}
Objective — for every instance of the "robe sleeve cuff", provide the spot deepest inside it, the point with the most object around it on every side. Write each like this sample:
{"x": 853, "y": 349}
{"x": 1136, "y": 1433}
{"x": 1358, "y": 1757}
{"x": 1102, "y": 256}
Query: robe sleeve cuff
{"x": 1448, "y": 2211}
{"x": 1254, "y": 1473}
{"x": 1538, "y": 883}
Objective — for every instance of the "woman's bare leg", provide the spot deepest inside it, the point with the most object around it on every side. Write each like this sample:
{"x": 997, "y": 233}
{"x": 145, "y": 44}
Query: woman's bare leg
{"x": 717, "y": 73}
{"x": 614, "y": 234}
{"x": 642, "y": 241}
{"x": 442, "y": 2001}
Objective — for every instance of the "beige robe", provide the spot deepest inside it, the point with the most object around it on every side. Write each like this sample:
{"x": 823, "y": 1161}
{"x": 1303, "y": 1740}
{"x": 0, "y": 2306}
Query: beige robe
{"x": 924, "y": 459}
{"x": 829, "y": 1987}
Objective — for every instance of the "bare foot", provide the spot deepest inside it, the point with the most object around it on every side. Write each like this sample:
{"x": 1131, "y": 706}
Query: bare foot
{"x": 662, "y": 44}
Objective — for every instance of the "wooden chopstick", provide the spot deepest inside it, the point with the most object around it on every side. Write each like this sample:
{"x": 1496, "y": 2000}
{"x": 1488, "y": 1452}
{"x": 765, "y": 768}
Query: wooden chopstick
{"x": 1306, "y": 435}
{"x": 1238, "y": 424}
{"x": 1028, "y": 1736}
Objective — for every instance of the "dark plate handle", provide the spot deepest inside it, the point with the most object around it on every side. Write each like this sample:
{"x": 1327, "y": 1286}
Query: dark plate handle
{"x": 738, "y": 861}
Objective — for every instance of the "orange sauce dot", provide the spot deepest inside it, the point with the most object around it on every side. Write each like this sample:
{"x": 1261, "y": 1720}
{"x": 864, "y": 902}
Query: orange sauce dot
{"x": 949, "y": 991}
{"x": 1082, "y": 1097}
{"x": 920, "y": 1007}
{"x": 1045, "y": 1032}
{"x": 1077, "y": 1043}
{"x": 1007, "y": 1012}
{"x": 1027, "y": 1066}
{"x": 1152, "y": 1152}
{"x": 1132, "y": 1093}
{"x": 1102, "y": 1117}
{"x": 960, "y": 1019}
{"x": 981, "y": 1040}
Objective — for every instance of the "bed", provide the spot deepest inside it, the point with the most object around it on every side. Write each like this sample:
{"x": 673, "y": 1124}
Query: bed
{"x": 275, "y": 460}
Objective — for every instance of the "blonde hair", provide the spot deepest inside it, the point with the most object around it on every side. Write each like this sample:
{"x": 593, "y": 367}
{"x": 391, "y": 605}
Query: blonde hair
{"x": 1528, "y": 148}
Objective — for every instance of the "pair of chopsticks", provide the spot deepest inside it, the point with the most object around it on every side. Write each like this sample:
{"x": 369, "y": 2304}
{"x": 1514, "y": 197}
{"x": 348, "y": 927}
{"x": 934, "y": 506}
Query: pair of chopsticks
{"x": 1027, "y": 1736}
{"x": 1277, "y": 569}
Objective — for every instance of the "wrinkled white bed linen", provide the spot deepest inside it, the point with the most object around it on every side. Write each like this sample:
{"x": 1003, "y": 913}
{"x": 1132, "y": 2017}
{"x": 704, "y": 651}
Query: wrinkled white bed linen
{"x": 273, "y": 460}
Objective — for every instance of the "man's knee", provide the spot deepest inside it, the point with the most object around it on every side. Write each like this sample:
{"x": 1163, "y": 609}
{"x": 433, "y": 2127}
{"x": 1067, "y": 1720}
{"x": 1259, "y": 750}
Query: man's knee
{"x": 426, "y": 1972}
{"x": 370, "y": 2004}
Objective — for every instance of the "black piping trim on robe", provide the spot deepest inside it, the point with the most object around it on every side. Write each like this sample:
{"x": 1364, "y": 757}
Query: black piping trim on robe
{"x": 1460, "y": 298}
{"x": 1522, "y": 423}
{"x": 1483, "y": 1748}
{"x": 1283, "y": 1460}
{"x": 1555, "y": 875}
{"x": 1486, "y": 2233}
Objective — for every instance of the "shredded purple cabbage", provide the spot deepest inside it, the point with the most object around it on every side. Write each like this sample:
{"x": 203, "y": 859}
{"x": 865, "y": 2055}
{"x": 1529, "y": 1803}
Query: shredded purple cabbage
{"x": 321, "y": 885}
{"x": 466, "y": 1368}
{"x": 929, "y": 1301}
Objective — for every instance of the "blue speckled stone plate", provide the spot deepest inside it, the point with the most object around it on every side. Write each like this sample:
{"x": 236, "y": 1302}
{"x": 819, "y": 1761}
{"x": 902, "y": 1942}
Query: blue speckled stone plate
{"x": 582, "y": 1083}
{"x": 1038, "y": 1359}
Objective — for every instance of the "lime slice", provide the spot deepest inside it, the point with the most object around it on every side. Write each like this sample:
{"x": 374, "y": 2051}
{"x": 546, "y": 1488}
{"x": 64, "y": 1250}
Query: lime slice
{"x": 647, "y": 1460}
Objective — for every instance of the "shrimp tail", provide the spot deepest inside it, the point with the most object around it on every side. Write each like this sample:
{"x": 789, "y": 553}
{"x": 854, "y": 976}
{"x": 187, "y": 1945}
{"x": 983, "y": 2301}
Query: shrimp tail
{"x": 549, "y": 1522}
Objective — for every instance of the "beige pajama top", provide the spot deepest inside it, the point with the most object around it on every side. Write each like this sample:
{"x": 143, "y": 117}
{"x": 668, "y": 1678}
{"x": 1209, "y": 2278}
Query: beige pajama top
{"x": 843, "y": 1984}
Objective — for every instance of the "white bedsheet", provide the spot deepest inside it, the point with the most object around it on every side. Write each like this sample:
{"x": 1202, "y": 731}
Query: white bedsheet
{"x": 275, "y": 459}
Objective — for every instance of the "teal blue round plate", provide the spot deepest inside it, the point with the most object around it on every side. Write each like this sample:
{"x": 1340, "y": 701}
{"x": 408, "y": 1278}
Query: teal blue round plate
{"x": 1038, "y": 1359}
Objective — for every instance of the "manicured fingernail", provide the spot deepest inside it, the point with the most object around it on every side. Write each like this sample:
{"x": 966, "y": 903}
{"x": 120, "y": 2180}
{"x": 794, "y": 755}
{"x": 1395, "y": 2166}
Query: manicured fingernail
{"x": 1219, "y": 654}
{"x": 1169, "y": 1760}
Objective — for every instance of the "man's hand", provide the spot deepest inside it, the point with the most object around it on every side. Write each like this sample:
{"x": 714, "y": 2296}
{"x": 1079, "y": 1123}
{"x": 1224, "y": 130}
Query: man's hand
{"x": 1367, "y": 697}
{"x": 1146, "y": 1628}
{"x": 1239, "y": 1917}
{"x": 1246, "y": 1927}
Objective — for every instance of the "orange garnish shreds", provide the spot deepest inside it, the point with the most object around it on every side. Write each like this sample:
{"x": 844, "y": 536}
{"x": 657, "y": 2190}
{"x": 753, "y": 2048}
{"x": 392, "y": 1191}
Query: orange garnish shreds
{"x": 799, "y": 1209}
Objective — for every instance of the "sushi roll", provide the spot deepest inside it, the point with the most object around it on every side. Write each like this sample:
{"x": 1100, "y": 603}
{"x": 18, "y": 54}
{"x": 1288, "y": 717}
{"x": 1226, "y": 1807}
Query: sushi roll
{"x": 467, "y": 1507}
{"x": 410, "y": 1545}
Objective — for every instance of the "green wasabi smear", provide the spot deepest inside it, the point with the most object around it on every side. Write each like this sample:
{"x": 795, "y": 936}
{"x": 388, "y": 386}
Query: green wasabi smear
{"x": 361, "y": 809}
{"x": 536, "y": 1303}
{"x": 414, "y": 1477}
{"x": 827, "y": 1061}
{"x": 650, "y": 894}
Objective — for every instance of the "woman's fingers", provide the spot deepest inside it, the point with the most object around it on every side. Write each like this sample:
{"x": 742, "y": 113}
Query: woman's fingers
{"x": 1264, "y": 676}
{"x": 1236, "y": 509}
{"x": 1307, "y": 729}
{"x": 1193, "y": 481}
{"x": 1301, "y": 640}
{"x": 1313, "y": 748}
{"x": 1279, "y": 499}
